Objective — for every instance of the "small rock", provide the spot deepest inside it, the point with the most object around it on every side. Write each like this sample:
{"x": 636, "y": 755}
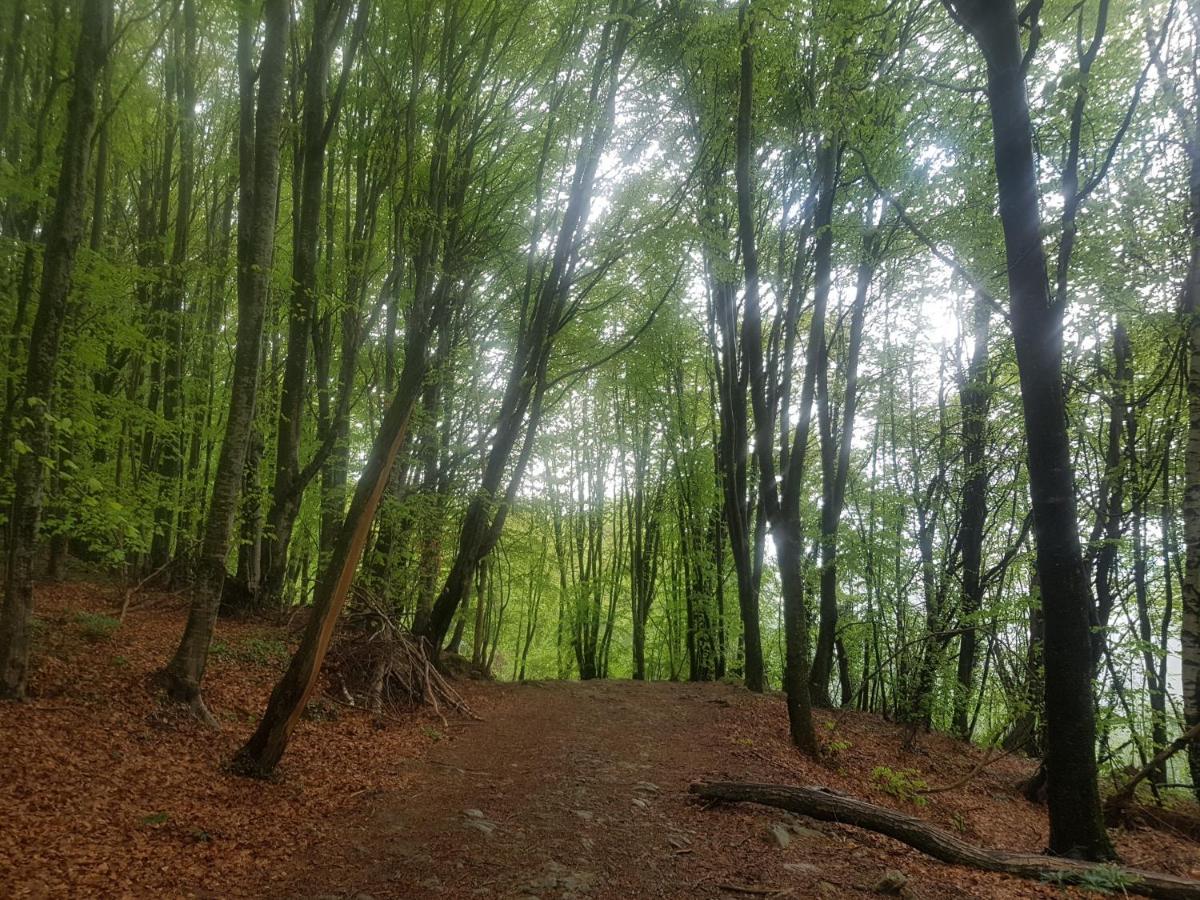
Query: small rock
{"x": 482, "y": 825}
{"x": 648, "y": 786}
{"x": 801, "y": 868}
{"x": 638, "y": 801}
{"x": 678, "y": 841}
{"x": 780, "y": 834}
{"x": 473, "y": 813}
{"x": 585, "y": 814}
{"x": 892, "y": 883}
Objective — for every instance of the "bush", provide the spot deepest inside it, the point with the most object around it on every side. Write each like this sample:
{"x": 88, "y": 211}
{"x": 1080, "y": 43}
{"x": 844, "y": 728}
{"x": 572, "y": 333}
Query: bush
{"x": 903, "y": 784}
{"x": 96, "y": 626}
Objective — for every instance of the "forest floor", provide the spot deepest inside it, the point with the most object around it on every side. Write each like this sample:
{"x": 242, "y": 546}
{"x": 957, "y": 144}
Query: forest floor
{"x": 557, "y": 790}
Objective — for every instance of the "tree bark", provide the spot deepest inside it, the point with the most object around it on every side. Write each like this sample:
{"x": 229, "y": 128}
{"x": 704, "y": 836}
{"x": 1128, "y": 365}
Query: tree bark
{"x": 521, "y": 404}
{"x": 258, "y": 164}
{"x": 784, "y": 518}
{"x": 1190, "y": 595}
{"x": 262, "y": 753}
{"x": 1076, "y": 823}
{"x": 63, "y": 236}
{"x": 290, "y": 481}
{"x": 974, "y": 403}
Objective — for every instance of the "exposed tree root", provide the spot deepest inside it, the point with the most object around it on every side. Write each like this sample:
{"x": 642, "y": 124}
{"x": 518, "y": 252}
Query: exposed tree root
{"x": 820, "y": 803}
{"x": 186, "y": 692}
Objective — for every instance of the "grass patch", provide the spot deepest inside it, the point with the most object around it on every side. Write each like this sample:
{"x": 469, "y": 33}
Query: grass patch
{"x": 96, "y": 627}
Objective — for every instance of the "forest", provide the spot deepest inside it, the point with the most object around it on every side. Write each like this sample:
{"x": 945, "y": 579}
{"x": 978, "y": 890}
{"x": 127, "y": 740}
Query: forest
{"x": 843, "y": 352}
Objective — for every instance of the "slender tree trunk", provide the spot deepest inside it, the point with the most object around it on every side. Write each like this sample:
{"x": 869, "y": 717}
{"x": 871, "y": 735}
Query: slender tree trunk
{"x": 258, "y": 152}
{"x": 261, "y": 754}
{"x": 1190, "y": 595}
{"x": 974, "y": 402}
{"x": 1076, "y": 821}
{"x": 521, "y": 404}
{"x": 62, "y": 238}
{"x": 290, "y": 480}
{"x": 170, "y": 451}
{"x": 835, "y": 470}
{"x": 783, "y": 515}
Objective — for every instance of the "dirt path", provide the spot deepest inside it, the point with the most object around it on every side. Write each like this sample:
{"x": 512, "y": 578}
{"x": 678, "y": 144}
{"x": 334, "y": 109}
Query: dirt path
{"x": 562, "y": 790}
{"x": 579, "y": 790}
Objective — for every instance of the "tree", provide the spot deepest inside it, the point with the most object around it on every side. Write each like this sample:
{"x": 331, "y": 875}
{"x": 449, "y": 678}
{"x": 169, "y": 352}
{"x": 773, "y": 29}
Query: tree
{"x": 1076, "y": 823}
{"x": 64, "y": 233}
{"x": 259, "y": 122}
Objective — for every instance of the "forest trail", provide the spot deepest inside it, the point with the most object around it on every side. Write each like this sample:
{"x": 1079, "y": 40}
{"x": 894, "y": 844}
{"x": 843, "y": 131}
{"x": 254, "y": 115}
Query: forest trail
{"x": 569, "y": 789}
{"x": 563, "y": 789}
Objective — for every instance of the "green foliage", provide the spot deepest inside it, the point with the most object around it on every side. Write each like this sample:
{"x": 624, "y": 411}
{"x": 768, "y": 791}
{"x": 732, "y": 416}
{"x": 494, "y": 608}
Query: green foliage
{"x": 903, "y": 784}
{"x": 1103, "y": 879}
{"x": 255, "y": 651}
{"x": 96, "y": 627}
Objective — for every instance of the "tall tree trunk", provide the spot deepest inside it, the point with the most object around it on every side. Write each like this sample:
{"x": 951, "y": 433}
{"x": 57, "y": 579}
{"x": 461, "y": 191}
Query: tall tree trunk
{"x": 1190, "y": 595}
{"x": 170, "y": 451}
{"x": 290, "y": 481}
{"x": 520, "y": 409}
{"x": 974, "y": 402}
{"x": 258, "y": 165}
{"x": 1076, "y": 821}
{"x": 62, "y": 239}
{"x": 835, "y": 470}
{"x": 783, "y": 515}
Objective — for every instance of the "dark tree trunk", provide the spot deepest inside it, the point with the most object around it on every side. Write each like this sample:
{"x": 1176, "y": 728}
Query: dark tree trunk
{"x": 520, "y": 409}
{"x": 62, "y": 238}
{"x": 170, "y": 451}
{"x": 835, "y": 470}
{"x": 1076, "y": 822}
{"x": 782, "y": 514}
{"x": 974, "y": 402}
{"x": 290, "y": 480}
{"x": 258, "y": 164}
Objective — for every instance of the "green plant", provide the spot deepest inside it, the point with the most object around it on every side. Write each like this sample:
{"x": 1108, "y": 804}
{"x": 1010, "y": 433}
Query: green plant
{"x": 836, "y": 747}
{"x": 1103, "y": 879}
{"x": 258, "y": 651}
{"x": 903, "y": 784}
{"x": 96, "y": 626}
{"x": 264, "y": 651}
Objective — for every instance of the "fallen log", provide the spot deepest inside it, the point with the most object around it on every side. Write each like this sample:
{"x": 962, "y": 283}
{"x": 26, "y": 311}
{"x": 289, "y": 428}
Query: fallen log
{"x": 821, "y": 803}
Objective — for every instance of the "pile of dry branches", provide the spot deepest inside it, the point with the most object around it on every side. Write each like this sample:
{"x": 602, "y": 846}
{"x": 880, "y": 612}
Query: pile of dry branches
{"x": 376, "y": 664}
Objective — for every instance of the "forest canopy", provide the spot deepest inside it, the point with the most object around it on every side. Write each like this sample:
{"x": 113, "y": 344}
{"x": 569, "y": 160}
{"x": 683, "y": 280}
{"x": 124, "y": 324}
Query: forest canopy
{"x": 844, "y": 347}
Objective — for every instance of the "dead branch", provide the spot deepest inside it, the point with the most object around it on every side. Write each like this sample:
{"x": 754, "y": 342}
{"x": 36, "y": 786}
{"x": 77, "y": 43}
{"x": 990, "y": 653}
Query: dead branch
{"x": 820, "y": 803}
{"x": 131, "y": 592}
{"x": 377, "y": 665}
{"x": 1118, "y": 801}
